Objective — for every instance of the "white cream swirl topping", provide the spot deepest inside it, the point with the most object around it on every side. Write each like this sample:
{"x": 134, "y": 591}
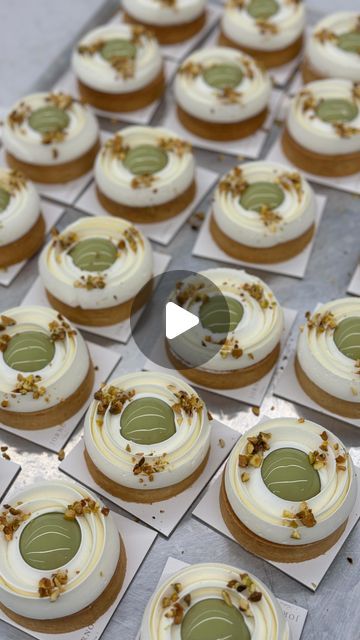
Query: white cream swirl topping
{"x": 117, "y": 59}
{"x": 333, "y": 49}
{"x": 263, "y": 204}
{"x": 266, "y": 25}
{"x": 219, "y": 84}
{"x": 49, "y": 129}
{"x": 164, "y": 12}
{"x": 19, "y": 206}
{"x": 254, "y": 330}
{"x": 147, "y": 430}
{"x": 43, "y": 359}
{"x": 144, "y": 166}
{"x": 324, "y": 117}
{"x": 96, "y": 263}
{"x": 328, "y": 348}
{"x": 290, "y": 481}
{"x": 44, "y": 532}
{"x": 211, "y": 601}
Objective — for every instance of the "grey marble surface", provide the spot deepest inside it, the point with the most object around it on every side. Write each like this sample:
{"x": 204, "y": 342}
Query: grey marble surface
{"x": 334, "y": 611}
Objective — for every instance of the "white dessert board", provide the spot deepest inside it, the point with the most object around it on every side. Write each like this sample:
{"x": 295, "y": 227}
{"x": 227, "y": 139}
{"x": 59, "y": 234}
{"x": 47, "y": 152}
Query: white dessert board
{"x": 68, "y": 84}
{"x": 309, "y": 573}
{"x": 120, "y": 332}
{"x": 8, "y": 472}
{"x": 52, "y": 214}
{"x": 163, "y": 516}
{"x": 138, "y": 541}
{"x": 252, "y": 394}
{"x": 181, "y": 50}
{"x": 354, "y": 286}
{"x": 288, "y": 387}
{"x": 280, "y": 75}
{"x": 206, "y": 247}
{"x": 160, "y": 232}
{"x": 350, "y": 184}
{"x": 249, "y": 147}
{"x": 55, "y": 438}
{"x": 295, "y": 616}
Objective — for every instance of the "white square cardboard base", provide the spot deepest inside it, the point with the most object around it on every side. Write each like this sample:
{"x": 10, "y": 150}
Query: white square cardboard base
{"x": 120, "y": 332}
{"x": 280, "y": 75}
{"x": 206, "y": 247}
{"x": 253, "y": 394}
{"x": 68, "y": 84}
{"x": 309, "y": 573}
{"x": 161, "y": 232}
{"x": 354, "y": 286}
{"x": 181, "y": 50}
{"x": 55, "y": 438}
{"x": 296, "y": 616}
{"x": 138, "y": 541}
{"x": 287, "y": 387}
{"x": 52, "y": 213}
{"x": 249, "y": 147}
{"x": 350, "y": 184}
{"x": 163, "y": 516}
{"x": 8, "y": 472}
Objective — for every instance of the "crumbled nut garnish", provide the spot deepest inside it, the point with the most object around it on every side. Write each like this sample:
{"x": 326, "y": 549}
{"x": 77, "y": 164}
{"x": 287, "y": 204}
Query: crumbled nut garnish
{"x": 18, "y": 115}
{"x": 190, "y": 293}
{"x": 5, "y": 321}
{"x": 29, "y": 384}
{"x": 290, "y": 181}
{"x": 236, "y": 4}
{"x": 59, "y": 329}
{"x": 6, "y": 456}
{"x": 317, "y": 459}
{"x": 61, "y": 455}
{"x": 256, "y": 291}
{"x": 60, "y": 100}
{"x": 248, "y": 68}
{"x": 356, "y": 85}
{"x": 10, "y": 520}
{"x": 81, "y": 508}
{"x": 90, "y": 282}
{"x": 4, "y": 448}
{"x": 143, "y": 182}
{"x": 5, "y": 404}
{"x": 245, "y": 583}
{"x": 226, "y": 598}
{"x": 128, "y": 448}
{"x": 325, "y": 35}
{"x": 344, "y": 130}
{"x": 256, "y": 411}
{"x": 301, "y": 420}
{"x": 295, "y": 535}
{"x": 105, "y": 511}
{"x": 191, "y": 69}
{"x": 245, "y": 477}
{"x": 51, "y": 137}
{"x": 53, "y": 587}
{"x": 116, "y": 147}
{"x": 177, "y": 146}
{"x": 306, "y": 516}
{"x": 113, "y": 399}
{"x": 256, "y": 445}
{"x": 269, "y": 217}
{"x": 148, "y": 469}
{"x": 321, "y": 323}
{"x": 13, "y": 181}
{"x": 267, "y": 27}
{"x": 4, "y": 341}
{"x": 229, "y": 95}
{"x": 309, "y": 102}
{"x": 210, "y": 417}
{"x": 188, "y": 403}
{"x": 233, "y": 183}
{"x": 63, "y": 241}
{"x": 221, "y": 443}
{"x": 90, "y": 49}
{"x": 133, "y": 238}
{"x": 340, "y": 463}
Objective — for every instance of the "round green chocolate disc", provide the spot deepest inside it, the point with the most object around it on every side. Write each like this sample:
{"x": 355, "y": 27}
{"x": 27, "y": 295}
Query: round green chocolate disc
{"x": 49, "y": 120}
{"x": 337, "y": 110}
{"x": 223, "y": 76}
{"x": 349, "y": 41}
{"x": 49, "y": 541}
{"x": 213, "y": 619}
{"x": 145, "y": 160}
{"x": 261, "y": 194}
{"x": 347, "y": 337}
{"x": 94, "y": 254}
{"x": 4, "y": 199}
{"x": 221, "y": 314}
{"x": 29, "y": 351}
{"x": 118, "y": 48}
{"x": 147, "y": 421}
{"x": 288, "y": 474}
{"x": 262, "y": 9}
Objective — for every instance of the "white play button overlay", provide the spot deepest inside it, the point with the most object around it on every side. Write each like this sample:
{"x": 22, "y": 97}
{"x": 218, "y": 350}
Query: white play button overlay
{"x": 178, "y": 320}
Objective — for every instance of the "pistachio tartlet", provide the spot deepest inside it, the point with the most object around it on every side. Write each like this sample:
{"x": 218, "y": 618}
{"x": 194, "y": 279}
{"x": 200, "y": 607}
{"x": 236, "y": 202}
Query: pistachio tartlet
{"x": 213, "y": 601}
{"x": 46, "y": 374}
{"x": 22, "y": 227}
{"x": 145, "y": 174}
{"x": 333, "y": 49}
{"x": 172, "y": 21}
{"x": 62, "y": 559}
{"x": 269, "y": 30}
{"x": 288, "y": 490}
{"x": 222, "y": 94}
{"x": 50, "y": 137}
{"x": 94, "y": 268}
{"x": 263, "y": 213}
{"x": 322, "y": 132}
{"x": 119, "y": 68}
{"x": 328, "y": 356}
{"x": 147, "y": 437}
{"x": 235, "y": 353}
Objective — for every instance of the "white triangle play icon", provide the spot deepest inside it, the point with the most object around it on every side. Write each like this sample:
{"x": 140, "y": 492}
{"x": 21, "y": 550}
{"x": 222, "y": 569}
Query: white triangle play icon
{"x": 178, "y": 320}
